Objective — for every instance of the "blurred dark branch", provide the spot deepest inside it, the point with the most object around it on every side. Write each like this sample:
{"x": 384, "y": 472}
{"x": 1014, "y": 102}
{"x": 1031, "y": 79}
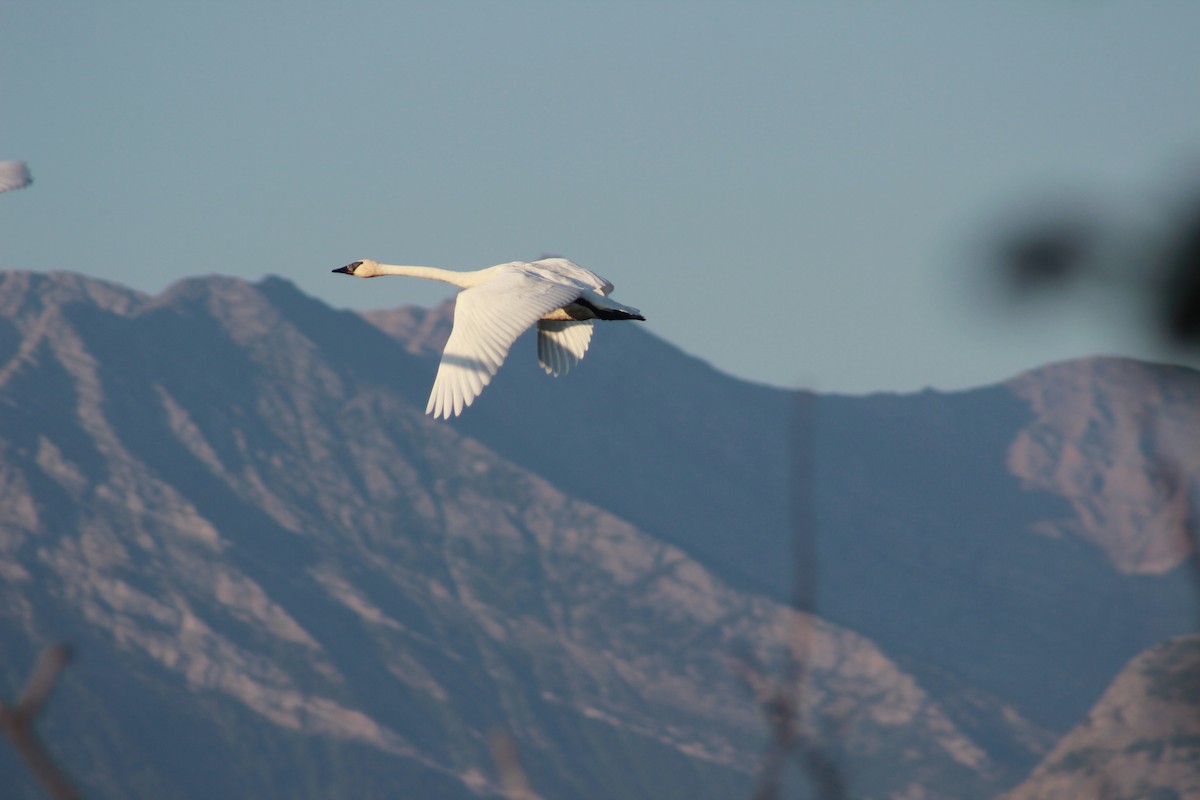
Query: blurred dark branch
{"x": 1181, "y": 285}
{"x": 776, "y": 699}
{"x": 780, "y": 698}
{"x": 809, "y": 743}
{"x": 1047, "y": 255}
{"x": 1067, "y": 247}
{"x": 779, "y": 701}
{"x": 17, "y": 723}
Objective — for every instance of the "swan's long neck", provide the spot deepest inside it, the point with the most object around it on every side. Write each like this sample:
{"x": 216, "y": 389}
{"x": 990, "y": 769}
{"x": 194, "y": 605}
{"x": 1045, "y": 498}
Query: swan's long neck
{"x": 464, "y": 280}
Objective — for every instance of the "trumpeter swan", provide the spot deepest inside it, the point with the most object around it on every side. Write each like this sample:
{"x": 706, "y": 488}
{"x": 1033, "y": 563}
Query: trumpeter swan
{"x": 498, "y": 304}
{"x": 14, "y": 175}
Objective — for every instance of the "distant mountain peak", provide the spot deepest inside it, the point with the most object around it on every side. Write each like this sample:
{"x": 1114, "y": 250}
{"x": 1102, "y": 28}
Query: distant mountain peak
{"x": 1119, "y": 439}
{"x": 422, "y": 331}
{"x": 1142, "y": 738}
{"x": 22, "y": 292}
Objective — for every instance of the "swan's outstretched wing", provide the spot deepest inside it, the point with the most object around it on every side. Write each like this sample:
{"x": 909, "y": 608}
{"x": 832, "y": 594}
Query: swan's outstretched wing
{"x": 564, "y": 270}
{"x": 488, "y": 318}
{"x": 14, "y": 175}
{"x": 562, "y": 344}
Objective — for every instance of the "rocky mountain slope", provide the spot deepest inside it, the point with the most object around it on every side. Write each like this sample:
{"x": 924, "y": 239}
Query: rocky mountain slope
{"x": 1141, "y": 740}
{"x": 1120, "y": 441}
{"x": 931, "y": 526}
{"x": 284, "y": 580}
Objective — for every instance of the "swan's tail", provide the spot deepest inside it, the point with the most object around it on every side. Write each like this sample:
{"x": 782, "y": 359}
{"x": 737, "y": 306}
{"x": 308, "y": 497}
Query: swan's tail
{"x": 609, "y": 309}
{"x": 619, "y": 313}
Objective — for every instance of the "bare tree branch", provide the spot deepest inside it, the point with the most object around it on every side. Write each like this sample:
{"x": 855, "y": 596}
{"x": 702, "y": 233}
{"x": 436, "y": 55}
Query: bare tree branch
{"x": 17, "y": 723}
{"x": 781, "y": 698}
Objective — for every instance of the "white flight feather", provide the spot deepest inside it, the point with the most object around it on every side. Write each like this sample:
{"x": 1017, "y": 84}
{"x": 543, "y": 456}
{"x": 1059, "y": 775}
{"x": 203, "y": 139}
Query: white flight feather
{"x": 562, "y": 344}
{"x": 488, "y": 318}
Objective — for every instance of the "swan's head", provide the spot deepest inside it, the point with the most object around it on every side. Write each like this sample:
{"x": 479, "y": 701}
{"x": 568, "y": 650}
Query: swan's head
{"x": 361, "y": 269}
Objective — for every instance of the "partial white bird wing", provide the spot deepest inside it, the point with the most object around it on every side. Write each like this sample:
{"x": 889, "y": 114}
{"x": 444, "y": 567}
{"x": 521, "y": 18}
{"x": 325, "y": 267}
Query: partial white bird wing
{"x": 14, "y": 175}
{"x": 488, "y": 318}
{"x": 561, "y": 344}
{"x": 563, "y": 270}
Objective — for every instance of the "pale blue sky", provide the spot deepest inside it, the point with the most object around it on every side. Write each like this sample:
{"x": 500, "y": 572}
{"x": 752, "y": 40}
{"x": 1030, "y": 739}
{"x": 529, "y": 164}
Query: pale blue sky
{"x": 787, "y": 190}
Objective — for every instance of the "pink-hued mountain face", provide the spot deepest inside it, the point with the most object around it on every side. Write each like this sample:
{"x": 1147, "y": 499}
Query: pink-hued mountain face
{"x": 1120, "y": 441}
{"x": 1142, "y": 739}
{"x": 283, "y": 579}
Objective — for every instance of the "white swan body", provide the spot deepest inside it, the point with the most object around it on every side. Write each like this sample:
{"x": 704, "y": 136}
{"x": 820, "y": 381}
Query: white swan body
{"x": 14, "y": 175}
{"x": 497, "y": 305}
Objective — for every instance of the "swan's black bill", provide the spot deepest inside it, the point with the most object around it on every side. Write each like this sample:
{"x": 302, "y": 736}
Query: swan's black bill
{"x": 349, "y": 268}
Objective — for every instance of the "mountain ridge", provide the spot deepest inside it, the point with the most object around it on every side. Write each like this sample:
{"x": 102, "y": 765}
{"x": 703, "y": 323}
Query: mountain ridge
{"x": 1142, "y": 739}
{"x": 229, "y": 490}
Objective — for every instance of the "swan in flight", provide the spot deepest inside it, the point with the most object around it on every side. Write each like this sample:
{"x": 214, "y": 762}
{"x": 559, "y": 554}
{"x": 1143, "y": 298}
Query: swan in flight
{"x": 14, "y": 175}
{"x": 497, "y": 305}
